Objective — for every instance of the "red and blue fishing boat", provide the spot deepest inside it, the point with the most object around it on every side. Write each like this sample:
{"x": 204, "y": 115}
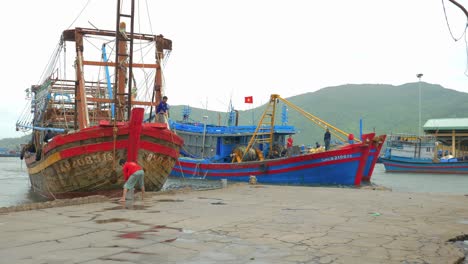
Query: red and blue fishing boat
{"x": 82, "y": 126}
{"x": 238, "y": 153}
{"x": 373, "y": 158}
{"x": 431, "y": 153}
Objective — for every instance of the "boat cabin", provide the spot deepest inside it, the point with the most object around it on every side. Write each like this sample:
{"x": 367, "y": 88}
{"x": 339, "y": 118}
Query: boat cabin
{"x": 217, "y": 143}
{"x": 452, "y": 133}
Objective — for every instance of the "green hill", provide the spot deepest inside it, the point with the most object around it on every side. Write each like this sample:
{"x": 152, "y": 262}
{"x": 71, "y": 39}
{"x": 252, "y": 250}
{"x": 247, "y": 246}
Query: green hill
{"x": 14, "y": 143}
{"x": 383, "y": 109}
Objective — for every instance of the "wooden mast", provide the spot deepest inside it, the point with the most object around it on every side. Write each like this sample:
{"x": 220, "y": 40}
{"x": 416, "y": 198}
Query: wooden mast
{"x": 158, "y": 76}
{"x": 81, "y": 109}
{"x": 161, "y": 45}
{"x": 121, "y": 72}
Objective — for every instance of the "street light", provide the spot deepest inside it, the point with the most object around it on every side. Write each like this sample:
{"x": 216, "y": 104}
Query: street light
{"x": 419, "y": 75}
{"x": 205, "y": 119}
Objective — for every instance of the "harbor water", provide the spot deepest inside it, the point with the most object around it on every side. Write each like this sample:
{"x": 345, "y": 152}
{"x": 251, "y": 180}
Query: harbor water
{"x": 15, "y": 183}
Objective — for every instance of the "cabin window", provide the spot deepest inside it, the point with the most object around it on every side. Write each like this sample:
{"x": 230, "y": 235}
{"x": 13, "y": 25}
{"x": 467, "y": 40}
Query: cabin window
{"x": 231, "y": 140}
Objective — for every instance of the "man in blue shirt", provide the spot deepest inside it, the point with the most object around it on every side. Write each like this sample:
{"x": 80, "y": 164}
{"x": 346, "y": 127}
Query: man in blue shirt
{"x": 162, "y": 111}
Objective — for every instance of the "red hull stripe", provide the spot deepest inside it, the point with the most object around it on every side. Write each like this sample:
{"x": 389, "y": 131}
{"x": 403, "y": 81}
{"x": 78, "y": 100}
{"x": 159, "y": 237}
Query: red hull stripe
{"x": 100, "y": 147}
{"x": 288, "y": 161}
{"x": 84, "y": 134}
{"x": 120, "y": 144}
{"x": 159, "y": 149}
{"x": 257, "y": 172}
{"x": 98, "y": 132}
{"x": 425, "y": 167}
{"x": 87, "y": 149}
{"x": 428, "y": 171}
{"x": 163, "y": 134}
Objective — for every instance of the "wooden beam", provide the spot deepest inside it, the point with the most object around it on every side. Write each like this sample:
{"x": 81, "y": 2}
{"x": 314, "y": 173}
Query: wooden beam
{"x": 112, "y": 64}
{"x": 105, "y": 100}
{"x": 448, "y": 134}
{"x": 68, "y": 35}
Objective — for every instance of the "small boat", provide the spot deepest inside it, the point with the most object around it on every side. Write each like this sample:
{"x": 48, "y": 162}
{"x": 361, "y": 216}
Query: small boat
{"x": 422, "y": 154}
{"x": 240, "y": 153}
{"x": 5, "y": 153}
{"x": 82, "y": 126}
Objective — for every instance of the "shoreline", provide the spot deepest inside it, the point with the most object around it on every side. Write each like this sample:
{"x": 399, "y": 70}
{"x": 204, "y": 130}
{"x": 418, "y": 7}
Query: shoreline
{"x": 244, "y": 224}
{"x": 103, "y": 198}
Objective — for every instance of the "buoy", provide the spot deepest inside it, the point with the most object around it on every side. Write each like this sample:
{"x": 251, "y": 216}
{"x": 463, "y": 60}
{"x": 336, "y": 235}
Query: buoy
{"x": 252, "y": 180}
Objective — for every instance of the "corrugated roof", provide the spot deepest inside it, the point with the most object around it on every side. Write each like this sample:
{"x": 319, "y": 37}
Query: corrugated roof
{"x": 446, "y": 124}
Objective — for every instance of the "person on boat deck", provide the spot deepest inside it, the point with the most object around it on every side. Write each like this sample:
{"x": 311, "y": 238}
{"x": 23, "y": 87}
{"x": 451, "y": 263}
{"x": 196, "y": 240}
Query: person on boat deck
{"x": 327, "y": 138}
{"x": 289, "y": 145}
{"x": 133, "y": 174}
{"x": 317, "y": 145}
{"x": 162, "y": 111}
{"x": 48, "y": 136}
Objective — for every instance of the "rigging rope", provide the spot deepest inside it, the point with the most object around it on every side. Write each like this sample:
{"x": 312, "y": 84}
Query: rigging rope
{"x": 79, "y": 14}
{"x": 448, "y": 25}
{"x": 149, "y": 17}
{"x": 457, "y": 39}
{"x": 51, "y": 63}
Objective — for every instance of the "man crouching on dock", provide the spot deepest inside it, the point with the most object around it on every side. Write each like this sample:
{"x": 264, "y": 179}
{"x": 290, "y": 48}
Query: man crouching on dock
{"x": 133, "y": 174}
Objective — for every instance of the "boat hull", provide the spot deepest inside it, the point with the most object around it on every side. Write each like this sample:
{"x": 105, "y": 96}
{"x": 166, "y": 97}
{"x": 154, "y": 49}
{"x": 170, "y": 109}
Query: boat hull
{"x": 84, "y": 163}
{"x": 373, "y": 158}
{"x": 425, "y": 167}
{"x": 337, "y": 167}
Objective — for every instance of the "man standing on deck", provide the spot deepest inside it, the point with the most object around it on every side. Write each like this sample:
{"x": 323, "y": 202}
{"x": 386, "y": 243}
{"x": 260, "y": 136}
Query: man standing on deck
{"x": 162, "y": 111}
{"x": 327, "y": 138}
{"x": 48, "y": 136}
{"x": 133, "y": 174}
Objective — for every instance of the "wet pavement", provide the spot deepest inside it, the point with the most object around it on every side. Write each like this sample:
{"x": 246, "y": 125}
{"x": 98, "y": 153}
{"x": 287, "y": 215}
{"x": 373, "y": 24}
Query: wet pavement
{"x": 244, "y": 224}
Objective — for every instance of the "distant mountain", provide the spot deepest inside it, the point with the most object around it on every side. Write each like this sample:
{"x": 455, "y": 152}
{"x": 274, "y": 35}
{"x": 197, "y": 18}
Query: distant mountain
{"x": 383, "y": 109}
{"x": 14, "y": 143}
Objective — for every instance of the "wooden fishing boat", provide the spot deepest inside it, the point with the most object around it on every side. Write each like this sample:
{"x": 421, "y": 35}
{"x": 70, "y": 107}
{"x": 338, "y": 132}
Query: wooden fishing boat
{"x": 81, "y": 127}
{"x": 238, "y": 153}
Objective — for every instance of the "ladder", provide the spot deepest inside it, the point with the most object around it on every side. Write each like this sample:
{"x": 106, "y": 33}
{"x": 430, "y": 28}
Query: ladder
{"x": 122, "y": 72}
{"x": 265, "y": 128}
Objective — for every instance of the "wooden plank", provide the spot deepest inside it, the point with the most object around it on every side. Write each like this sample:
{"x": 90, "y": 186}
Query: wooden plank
{"x": 113, "y": 64}
{"x": 105, "y": 100}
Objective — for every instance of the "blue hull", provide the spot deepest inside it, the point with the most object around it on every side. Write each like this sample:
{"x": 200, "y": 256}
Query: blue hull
{"x": 425, "y": 167}
{"x": 337, "y": 167}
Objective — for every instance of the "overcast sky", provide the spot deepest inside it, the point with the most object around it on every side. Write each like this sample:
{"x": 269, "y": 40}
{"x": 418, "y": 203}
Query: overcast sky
{"x": 225, "y": 49}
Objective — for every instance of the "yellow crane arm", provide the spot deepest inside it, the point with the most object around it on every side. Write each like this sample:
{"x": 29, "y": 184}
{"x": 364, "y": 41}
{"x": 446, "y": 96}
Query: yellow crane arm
{"x": 320, "y": 122}
{"x": 265, "y": 127}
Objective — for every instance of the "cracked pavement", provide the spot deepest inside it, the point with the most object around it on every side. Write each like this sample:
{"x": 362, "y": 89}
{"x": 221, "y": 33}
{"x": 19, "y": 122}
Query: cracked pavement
{"x": 243, "y": 224}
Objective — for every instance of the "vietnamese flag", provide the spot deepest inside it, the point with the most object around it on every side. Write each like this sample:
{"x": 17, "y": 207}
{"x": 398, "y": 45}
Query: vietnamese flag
{"x": 249, "y": 100}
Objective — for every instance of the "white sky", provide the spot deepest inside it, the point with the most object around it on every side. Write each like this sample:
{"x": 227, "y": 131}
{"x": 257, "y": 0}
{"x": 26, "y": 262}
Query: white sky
{"x": 226, "y": 49}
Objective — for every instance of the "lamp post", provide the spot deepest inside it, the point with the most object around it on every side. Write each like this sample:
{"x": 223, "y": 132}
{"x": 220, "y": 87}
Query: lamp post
{"x": 419, "y": 75}
{"x": 205, "y": 119}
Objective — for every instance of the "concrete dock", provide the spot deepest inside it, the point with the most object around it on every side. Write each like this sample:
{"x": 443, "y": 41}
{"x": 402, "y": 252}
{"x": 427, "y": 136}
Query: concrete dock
{"x": 243, "y": 224}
